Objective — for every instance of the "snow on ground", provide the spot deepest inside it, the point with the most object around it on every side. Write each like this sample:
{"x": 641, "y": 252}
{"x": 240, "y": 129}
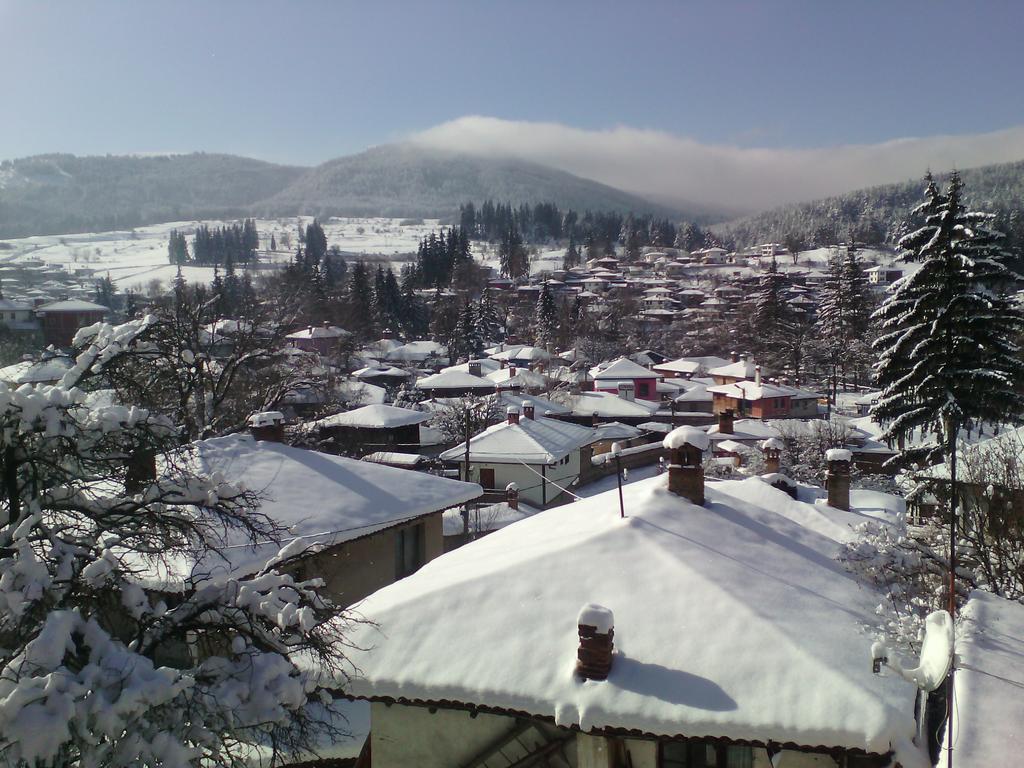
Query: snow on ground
{"x": 135, "y": 258}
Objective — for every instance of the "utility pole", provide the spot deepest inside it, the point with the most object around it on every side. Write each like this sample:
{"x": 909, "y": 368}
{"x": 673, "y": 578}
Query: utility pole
{"x": 465, "y": 509}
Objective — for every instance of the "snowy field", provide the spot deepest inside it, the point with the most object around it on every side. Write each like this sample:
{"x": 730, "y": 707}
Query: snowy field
{"x": 134, "y": 259}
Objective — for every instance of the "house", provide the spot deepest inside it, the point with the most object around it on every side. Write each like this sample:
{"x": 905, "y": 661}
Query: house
{"x": 521, "y": 356}
{"x": 387, "y": 376}
{"x": 641, "y": 381}
{"x": 49, "y": 369}
{"x": 373, "y": 428}
{"x": 322, "y": 339}
{"x": 541, "y": 455}
{"x": 518, "y": 379}
{"x": 881, "y": 277}
{"x": 60, "y": 320}
{"x": 717, "y": 632}
{"x": 760, "y": 400}
{"x": 360, "y": 525}
{"x": 17, "y": 316}
{"x": 696, "y": 399}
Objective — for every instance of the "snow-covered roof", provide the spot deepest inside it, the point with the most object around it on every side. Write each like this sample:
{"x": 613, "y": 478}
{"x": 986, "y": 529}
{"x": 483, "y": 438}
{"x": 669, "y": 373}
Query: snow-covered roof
{"x": 522, "y": 377}
{"x": 746, "y": 429}
{"x": 454, "y": 380}
{"x": 6, "y": 305}
{"x": 372, "y": 372}
{"x": 741, "y": 369}
{"x": 732, "y": 620}
{"x": 322, "y": 500}
{"x": 416, "y": 350}
{"x": 533, "y": 354}
{"x": 621, "y": 369}
{"x": 751, "y": 390}
{"x": 615, "y": 430}
{"x": 36, "y": 372}
{"x": 689, "y": 365}
{"x": 319, "y": 332}
{"x": 695, "y": 394}
{"x": 72, "y": 305}
{"x": 487, "y": 365}
{"x": 395, "y": 458}
{"x": 608, "y": 405}
{"x": 361, "y": 391}
{"x": 376, "y": 416}
{"x": 533, "y": 441}
{"x": 686, "y": 435}
{"x": 540, "y": 405}
{"x": 989, "y": 683}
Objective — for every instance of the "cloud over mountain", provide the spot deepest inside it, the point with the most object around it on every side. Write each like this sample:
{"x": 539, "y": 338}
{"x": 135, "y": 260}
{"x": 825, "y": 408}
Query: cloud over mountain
{"x": 679, "y": 170}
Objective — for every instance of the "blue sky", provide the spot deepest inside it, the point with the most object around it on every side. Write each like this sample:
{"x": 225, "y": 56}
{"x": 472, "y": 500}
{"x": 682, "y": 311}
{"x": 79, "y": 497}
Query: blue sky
{"x": 320, "y": 79}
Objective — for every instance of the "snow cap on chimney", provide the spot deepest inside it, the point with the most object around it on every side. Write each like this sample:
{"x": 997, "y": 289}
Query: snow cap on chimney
{"x": 686, "y": 447}
{"x": 513, "y": 414}
{"x": 757, "y": 375}
{"x": 528, "y": 410}
{"x": 596, "y": 626}
{"x": 267, "y": 425}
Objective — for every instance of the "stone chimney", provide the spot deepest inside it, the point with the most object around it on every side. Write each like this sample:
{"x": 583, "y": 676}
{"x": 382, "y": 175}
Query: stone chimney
{"x": 757, "y": 375}
{"x": 268, "y": 426}
{"x": 734, "y": 357}
{"x": 474, "y": 368}
{"x": 627, "y": 390}
{"x": 686, "y": 446}
{"x": 327, "y": 325}
{"x": 772, "y": 448}
{"x": 594, "y": 419}
{"x": 596, "y": 626}
{"x": 725, "y": 422}
{"x": 837, "y": 478}
{"x": 310, "y": 330}
{"x": 528, "y": 410}
{"x": 513, "y": 414}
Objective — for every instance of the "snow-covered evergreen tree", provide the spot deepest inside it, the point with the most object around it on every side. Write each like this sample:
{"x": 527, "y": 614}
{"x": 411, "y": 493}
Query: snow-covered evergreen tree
{"x": 546, "y": 318}
{"x": 98, "y": 504}
{"x": 947, "y": 350}
{"x": 489, "y": 319}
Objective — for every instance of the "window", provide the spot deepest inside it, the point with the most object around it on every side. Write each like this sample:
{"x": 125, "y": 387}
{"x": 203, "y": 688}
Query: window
{"x": 410, "y": 550}
{"x": 701, "y": 754}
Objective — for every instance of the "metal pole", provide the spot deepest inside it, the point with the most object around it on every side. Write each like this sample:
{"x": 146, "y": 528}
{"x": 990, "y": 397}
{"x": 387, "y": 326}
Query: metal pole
{"x": 465, "y": 511}
{"x": 953, "y": 492}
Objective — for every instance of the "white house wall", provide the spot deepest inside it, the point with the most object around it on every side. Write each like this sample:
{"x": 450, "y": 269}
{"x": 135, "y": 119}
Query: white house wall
{"x": 528, "y": 481}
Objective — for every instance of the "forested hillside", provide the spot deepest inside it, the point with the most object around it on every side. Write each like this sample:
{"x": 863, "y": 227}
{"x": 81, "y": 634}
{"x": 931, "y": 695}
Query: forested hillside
{"x": 879, "y": 214}
{"x": 53, "y": 194}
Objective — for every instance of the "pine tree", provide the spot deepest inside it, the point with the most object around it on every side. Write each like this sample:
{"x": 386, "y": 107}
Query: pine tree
{"x": 273, "y": 243}
{"x": 947, "y": 355}
{"x": 572, "y": 255}
{"x": 490, "y": 321}
{"x": 546, "y": 318}
{"x": 772, "y": 314}
{"x": 512, "y": 255}
{"x": 468, "y": 339}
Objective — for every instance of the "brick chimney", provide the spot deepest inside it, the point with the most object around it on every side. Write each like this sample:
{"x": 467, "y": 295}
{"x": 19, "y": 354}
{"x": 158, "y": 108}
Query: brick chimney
{"x": 627, "y": 390}
{"x": 528, "y": 410}
{"x": 511, "y": 371}
{"x": 686, "y": 447}
{"x": 837, "y": 478}
{"x": 596, "y": 626}
{"x": 772, "y": 448}
{"x": 725, "y": 421}
{"x": 513, "y": 414}
{"x": 268, "y": 425}
{"x": 474, "y": 368}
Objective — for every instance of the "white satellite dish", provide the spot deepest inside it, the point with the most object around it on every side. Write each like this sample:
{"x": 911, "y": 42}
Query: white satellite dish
{"x": 936, "y": 656}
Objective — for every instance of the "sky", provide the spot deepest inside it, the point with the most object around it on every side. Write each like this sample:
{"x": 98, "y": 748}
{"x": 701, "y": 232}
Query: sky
{"x": 737, "y": 89}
